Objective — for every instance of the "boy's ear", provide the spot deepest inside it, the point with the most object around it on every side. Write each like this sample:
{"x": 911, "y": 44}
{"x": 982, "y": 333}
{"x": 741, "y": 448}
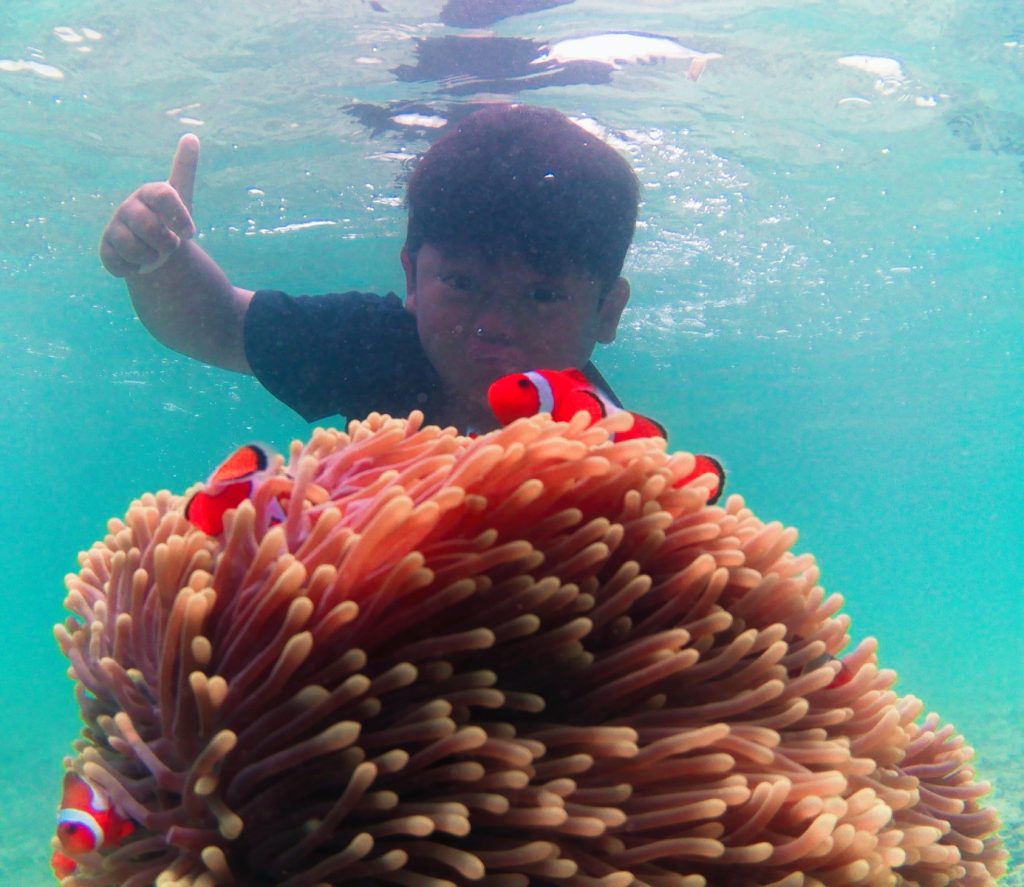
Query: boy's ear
{"x": 409, "y": 267}
{"x": 610, "y": 311}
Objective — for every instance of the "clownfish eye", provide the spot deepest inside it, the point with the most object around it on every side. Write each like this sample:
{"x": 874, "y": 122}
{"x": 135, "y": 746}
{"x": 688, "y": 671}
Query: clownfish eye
{"x": 76, "y": 837}
{"x": 523, "y": 383}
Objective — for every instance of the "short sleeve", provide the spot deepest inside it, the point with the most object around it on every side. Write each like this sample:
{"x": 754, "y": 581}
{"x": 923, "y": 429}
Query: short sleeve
{"x": 340, "y": 353}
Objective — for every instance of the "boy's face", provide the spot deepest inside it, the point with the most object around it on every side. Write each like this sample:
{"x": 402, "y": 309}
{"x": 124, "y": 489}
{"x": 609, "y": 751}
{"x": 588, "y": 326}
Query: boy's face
{"x": 481, "y": 319}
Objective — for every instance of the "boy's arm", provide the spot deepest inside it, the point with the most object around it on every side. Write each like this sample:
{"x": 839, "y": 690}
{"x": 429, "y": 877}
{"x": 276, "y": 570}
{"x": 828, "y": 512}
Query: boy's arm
{"x": 179, "y": 293}
{"x": 189, "y": 305}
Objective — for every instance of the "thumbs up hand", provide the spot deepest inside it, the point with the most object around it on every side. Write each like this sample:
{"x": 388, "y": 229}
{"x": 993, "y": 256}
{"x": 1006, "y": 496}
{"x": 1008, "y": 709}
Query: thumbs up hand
{"x": 150, "y": 226}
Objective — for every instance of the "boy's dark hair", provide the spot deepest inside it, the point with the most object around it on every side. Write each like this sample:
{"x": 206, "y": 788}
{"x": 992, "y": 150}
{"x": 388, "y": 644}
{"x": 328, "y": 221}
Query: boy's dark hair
{"x": 525, "y": 180}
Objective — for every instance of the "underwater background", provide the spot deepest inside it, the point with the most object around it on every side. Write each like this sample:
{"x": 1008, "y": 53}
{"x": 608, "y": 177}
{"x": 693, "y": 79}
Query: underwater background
{"x": 827, "y": 285}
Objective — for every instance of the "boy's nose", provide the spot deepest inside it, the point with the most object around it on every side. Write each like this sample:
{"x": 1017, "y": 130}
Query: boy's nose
{"x": 496, "y": 322}
{"x": 492, "y": 334}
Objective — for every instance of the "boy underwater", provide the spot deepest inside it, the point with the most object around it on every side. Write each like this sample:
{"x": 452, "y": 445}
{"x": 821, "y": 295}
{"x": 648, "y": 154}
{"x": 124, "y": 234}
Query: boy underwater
{"x": 519, "y": 223}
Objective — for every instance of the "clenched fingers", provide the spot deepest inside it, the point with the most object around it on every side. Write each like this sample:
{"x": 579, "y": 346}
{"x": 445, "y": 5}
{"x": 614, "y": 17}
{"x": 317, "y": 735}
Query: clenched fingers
{"x": 145, "y": 230}
{"x": 166, "y": 204}
{"x": 123, "y": 252}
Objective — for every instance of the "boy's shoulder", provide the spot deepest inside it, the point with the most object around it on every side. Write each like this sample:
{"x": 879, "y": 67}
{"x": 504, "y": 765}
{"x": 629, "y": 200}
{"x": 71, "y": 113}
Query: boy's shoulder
{"x": 330, "y": 326}
{"x": 350, "y": 301}
{"x": 348, "y": 353}
{"x": 330, "y": 320}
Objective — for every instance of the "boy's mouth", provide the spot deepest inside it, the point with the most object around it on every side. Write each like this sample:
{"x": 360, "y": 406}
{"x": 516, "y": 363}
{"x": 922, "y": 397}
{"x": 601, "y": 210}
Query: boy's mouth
{"x": 493, "y": 354}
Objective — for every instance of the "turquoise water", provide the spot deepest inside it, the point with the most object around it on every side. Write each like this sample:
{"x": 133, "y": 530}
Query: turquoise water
{"x": 827, "y": 293}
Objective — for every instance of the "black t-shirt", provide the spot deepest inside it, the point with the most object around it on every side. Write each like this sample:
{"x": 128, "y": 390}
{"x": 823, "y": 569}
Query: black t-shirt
{"x": 345, "y": 353}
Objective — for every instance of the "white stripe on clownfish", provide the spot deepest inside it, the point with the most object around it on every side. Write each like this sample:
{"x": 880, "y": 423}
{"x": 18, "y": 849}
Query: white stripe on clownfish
{"x": 72, "y": 816}
{"x": 545, "y": 394}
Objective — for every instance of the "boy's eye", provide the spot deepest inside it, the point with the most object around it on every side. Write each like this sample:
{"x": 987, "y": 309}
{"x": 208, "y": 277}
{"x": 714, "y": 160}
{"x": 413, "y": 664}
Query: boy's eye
{"x": 546, "y": 296}
{"x": 461, "y": 282}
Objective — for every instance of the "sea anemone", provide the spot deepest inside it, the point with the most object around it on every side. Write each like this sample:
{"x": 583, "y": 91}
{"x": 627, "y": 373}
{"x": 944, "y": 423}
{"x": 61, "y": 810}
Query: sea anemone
{"x": 533, "y": 657}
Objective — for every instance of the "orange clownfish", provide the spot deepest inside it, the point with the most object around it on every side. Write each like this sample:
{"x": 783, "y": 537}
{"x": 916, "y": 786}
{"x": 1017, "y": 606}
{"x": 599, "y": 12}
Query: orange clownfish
{"x": 86, "y": 821}
{"x": 564, "y": 393}
{"x": 843, "y": 676}
{"x": 231, "y": 483}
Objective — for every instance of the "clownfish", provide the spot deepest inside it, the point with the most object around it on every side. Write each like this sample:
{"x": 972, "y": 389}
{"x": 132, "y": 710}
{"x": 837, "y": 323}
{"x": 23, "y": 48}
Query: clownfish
{"x": 843, "y": 676}
{"x": 232, "y": 482}
{"x": 86, "y": 821}
{"x": 564, "y": 393}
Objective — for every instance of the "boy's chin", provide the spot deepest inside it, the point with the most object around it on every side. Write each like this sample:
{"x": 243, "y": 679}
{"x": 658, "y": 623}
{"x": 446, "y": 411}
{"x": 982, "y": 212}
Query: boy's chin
{"x": 473, "y": 385}
{"x": 472, "y": 397}
{"x": 471, "y": 388}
